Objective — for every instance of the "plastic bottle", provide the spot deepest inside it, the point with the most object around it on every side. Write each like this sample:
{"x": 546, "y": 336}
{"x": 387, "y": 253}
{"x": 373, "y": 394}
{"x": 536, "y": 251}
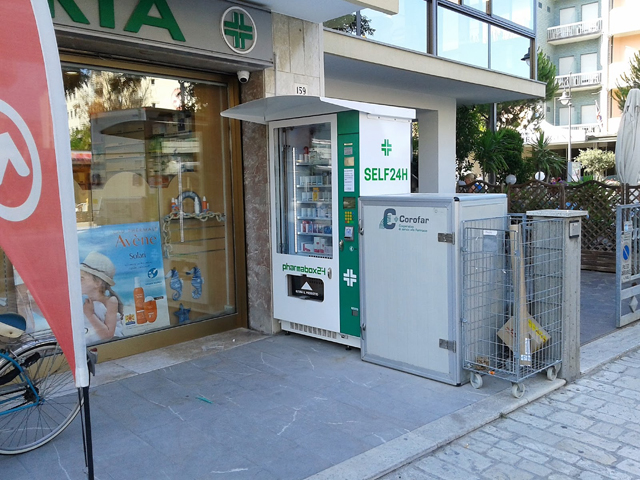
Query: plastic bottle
{"x": 174, "y": 205}
{"x": 205, "y": 204}
{"x": 138, "y": 300}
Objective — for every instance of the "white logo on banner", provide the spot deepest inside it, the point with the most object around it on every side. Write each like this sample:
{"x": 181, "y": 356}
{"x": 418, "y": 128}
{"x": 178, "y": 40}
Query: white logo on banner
{"x": 9, "y": 154}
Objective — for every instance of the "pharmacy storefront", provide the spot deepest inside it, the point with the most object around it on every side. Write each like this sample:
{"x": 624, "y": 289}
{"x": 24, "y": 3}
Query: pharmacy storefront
{"x": 157, "y": 171}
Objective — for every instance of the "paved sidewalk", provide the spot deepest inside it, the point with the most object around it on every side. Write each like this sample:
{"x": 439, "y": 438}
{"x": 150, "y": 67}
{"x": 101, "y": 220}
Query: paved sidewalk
{"x": 281, "y": 407}
{"x": 239, "y": 405}
{"x": 587, "y": 430}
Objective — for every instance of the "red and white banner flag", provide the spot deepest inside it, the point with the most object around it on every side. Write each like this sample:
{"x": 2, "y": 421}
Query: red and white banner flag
{"x": 37, "y": 206}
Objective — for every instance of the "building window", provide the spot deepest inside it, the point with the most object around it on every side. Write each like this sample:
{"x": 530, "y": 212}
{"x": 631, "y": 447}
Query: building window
{"x": 464, "y": 30}
{"x": 506, "y": 52}
{"x": 135, "y": 164}
{"x": 519, "y": 12}
{"x": 462, "y": 38}
{"x": 588, "y": 114}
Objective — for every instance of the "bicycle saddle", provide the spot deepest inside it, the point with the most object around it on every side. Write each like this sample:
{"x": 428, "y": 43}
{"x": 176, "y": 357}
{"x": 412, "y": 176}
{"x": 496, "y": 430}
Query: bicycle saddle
{"x": 12, "y": 325}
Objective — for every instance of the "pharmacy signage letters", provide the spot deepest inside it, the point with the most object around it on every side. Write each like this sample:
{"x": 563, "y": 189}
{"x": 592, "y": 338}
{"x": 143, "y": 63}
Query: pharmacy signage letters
{"x": 198, "y": 26}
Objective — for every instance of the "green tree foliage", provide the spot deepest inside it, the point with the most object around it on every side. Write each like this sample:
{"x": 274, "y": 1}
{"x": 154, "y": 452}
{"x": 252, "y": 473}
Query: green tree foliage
{"x": 489, "y": 152}
{"x": 529, "y": 113}
{"x": 629, "y": 79}
{"x": 512, "y": 147}
{"x": 81, "y": 138}
{"x": 543, "y": 159}
{"x": 348, "y": 24}
{"x": 469, "y": 123}
{"x": 596, "y": 161}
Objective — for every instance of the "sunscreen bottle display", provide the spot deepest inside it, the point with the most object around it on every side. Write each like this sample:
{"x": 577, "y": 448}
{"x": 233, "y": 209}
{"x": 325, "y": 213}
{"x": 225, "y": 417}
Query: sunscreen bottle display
{"x": 138, "y": 300}
{"x": 150, "y": 309}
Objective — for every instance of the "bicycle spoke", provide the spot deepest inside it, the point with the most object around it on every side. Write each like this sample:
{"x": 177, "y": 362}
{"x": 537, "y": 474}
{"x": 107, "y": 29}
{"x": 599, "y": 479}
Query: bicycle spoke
{"x": 49, "y": 372}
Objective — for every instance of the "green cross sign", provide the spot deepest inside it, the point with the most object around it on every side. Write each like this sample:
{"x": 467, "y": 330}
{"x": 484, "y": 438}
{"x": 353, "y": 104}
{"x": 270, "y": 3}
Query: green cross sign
{"x": 386, "y": 147}
{"x": 238, "y": 30}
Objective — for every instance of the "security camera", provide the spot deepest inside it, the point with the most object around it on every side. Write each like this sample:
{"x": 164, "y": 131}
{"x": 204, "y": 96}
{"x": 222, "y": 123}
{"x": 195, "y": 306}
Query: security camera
{"x": 243, "y": 76}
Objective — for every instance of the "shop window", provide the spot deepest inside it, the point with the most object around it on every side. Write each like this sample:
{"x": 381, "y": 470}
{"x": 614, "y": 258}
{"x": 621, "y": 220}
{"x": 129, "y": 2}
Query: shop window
{"x": 153, "y": 194}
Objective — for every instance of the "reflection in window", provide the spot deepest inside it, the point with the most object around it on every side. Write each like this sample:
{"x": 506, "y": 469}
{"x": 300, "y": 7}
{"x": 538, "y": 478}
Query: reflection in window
{"x": 517, "y": 11}
{"x": 507, "y": 51}
{"x": 152, "y": 154}
{"x": 477, "y": 4}
{"x": 407, "y": 29}
{"x": 462, "y": 38}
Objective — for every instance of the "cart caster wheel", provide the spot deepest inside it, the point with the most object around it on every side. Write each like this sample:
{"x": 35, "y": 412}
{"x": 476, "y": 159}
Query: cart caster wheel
{"x": 287, "y": 333}
{"x": 517, "y": 390}
{"x": 476, "y": 380}
{"x": 348, "y": 347}
{"x": 552, "y": 373}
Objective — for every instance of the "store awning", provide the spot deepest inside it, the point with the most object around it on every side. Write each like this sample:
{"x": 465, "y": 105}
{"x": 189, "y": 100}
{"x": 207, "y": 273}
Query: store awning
{"x": 295, "y": 106}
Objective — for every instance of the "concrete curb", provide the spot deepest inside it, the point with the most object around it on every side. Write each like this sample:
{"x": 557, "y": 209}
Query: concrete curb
{"x": 595, "y": 354}
{"x": 396, "y": 453}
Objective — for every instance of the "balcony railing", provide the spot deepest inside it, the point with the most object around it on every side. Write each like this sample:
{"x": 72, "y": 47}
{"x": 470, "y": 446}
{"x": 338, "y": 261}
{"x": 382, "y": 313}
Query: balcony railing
{"x": 560, "y": 134}
{"x": 574, "y": 30}
{"x": 576, "y": 80}
{"x": 587, "y": 128}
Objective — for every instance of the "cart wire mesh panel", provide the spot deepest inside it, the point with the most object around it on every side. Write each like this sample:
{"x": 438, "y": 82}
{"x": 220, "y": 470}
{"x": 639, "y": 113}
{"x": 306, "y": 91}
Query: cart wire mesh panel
{"x": 512, "y": 297}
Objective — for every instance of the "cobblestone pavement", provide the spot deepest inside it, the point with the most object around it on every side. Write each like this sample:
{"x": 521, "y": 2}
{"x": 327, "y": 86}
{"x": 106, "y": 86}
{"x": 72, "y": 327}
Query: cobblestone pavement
{"x": 587, "y": 430}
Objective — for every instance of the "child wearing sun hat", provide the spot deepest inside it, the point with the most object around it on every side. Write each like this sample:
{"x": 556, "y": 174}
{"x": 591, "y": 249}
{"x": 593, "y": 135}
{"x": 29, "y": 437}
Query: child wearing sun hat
{"x": 101, "y": 305}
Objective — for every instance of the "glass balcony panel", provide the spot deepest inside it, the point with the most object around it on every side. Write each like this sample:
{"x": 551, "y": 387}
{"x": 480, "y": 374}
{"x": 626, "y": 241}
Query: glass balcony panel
{"x": 516, "y": 11}
{"x": 407, "y": 29}
{"x": 477, "y": 4}
{"x": 462, "y": 38}
{"x": 507, "y": 51}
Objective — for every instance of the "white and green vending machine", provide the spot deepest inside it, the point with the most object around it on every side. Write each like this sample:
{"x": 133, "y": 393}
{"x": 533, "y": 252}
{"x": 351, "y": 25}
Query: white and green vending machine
{"x": 322, "y": 158}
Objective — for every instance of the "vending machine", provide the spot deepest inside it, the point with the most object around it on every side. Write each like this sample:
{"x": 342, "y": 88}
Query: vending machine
{"x": 320, "y": 166}
{"x": 322, "y": 158}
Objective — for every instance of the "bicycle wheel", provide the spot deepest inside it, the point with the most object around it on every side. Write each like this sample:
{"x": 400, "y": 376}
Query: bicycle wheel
{"x": 27, "y": 423}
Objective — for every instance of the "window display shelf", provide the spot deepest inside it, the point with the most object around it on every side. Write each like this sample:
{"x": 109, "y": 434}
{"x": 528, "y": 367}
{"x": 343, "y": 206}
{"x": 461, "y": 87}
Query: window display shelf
{"x": 314, "y": 186}
{"x": 312, "y": 254}
{"x": 325, "y": 166}
{"x": 311, "y": 234}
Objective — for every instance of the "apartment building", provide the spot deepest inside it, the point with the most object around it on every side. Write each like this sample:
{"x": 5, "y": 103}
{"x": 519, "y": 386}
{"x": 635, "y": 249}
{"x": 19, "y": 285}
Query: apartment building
{"x": 590, "y": 43}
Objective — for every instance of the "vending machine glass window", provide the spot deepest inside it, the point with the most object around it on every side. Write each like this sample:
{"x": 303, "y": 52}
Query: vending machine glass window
{"x": 303, "y": 191}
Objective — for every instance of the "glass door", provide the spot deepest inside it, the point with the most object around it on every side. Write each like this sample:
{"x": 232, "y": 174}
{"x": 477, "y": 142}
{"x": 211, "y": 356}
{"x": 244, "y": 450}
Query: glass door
{"x": 304, "y": 190}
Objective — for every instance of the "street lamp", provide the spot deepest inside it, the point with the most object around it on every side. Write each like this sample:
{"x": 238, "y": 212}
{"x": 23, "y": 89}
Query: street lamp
{"x": 565, "y": 99}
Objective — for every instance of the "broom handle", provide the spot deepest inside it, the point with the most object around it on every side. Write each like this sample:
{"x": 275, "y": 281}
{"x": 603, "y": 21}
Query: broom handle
{"x": 517, "y": 261}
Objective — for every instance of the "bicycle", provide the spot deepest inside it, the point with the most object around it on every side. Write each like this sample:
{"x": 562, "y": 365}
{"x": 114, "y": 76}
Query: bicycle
{"x": 38, "y": 396}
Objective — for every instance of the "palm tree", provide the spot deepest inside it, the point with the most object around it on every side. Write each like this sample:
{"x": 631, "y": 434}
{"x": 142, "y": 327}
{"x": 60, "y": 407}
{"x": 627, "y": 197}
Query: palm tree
{"x": 488, "y": 152}
{"x": 544, "y": 159}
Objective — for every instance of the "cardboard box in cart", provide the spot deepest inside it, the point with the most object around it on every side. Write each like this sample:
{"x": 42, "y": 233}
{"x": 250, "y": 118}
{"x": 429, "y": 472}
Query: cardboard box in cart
{"x": 411, "y": 279}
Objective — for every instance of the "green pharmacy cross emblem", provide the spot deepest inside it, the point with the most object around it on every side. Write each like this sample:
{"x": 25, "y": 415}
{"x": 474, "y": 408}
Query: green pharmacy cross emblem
{"x": 238, "y": 30}
{"x": 386, "y": 147}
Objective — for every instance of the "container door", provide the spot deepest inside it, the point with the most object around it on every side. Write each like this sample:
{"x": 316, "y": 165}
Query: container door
{"x": 305, "y": 286}
{"x": 408, "y": 295}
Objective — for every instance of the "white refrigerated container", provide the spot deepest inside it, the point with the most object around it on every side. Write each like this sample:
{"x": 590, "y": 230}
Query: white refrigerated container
{"x": 411, "y": 279}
